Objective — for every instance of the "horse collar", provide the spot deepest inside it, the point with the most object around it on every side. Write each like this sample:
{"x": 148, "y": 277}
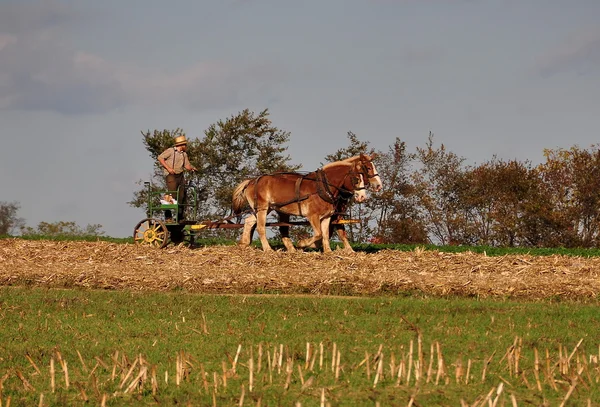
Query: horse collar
{"x": 323, "y": 187}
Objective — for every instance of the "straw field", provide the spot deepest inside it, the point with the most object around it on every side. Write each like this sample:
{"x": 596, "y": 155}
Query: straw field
{"x": 231, "y": 270}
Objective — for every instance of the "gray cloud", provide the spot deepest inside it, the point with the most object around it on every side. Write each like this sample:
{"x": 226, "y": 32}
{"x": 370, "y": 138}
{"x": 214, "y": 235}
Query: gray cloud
{"x": 40, "y": 69}
{"x": 20, "y": 17}
{"x": 579, "y": 54}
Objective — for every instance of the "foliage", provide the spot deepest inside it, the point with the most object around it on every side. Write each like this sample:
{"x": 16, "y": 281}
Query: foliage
{"x": 9, "y": 221}
{"x": 438, "y": 185}
{"x": 395, "y": 207}
{"x": 88, "y": 238}
{"x": 354, "y": 148}
{"x": 497, "y": 200}
{"x": 571, "y": 179}
{"x": 63, "y": 229}
{"x": 242, "y": 146}
{"x": 429, "y": 196}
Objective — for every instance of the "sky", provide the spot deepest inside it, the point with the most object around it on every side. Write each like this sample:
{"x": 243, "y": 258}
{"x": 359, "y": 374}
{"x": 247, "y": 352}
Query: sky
{"x": 79, "y": 81}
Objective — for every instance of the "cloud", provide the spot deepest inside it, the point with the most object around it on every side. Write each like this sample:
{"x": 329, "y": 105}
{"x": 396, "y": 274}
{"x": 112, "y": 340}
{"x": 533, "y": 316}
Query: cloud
{"x": 41, "y": 69}
{"x": 20, "y": 17}
{"x": 208, "y": 84}
{"x": 579, "y": 54}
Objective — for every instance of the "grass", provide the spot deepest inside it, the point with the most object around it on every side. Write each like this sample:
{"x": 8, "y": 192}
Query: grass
{"x": 133, "y": 348}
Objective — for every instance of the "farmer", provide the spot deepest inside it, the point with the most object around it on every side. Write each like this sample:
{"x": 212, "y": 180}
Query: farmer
{"x": 174, "y": 161}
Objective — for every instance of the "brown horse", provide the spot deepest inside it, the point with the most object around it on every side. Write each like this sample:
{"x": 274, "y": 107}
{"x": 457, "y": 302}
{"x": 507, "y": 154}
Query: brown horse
{"x": 315, "y": 196}
{"x": 370, "y": 172}
{"x": 364, "y": 164}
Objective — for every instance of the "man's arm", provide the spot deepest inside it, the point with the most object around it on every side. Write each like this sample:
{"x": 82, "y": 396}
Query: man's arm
{"x": 187, "y": 165}
{"x": 163, "y": 162}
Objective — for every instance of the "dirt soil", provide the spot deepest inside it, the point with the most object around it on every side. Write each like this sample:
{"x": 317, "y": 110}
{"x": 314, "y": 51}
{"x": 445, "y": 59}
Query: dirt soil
{"x": 231, "y": 270}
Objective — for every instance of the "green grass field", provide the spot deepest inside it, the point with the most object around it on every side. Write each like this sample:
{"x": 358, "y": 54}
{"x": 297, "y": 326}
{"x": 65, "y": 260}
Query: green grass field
{"x": 69, "y": 347}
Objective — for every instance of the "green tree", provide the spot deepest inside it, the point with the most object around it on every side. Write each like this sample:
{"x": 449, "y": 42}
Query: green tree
{"x": 64, "y": 229}
{"x": 242, "y": 146}
{"x": 9, "y": 221}
{"x": 354, "y": 148}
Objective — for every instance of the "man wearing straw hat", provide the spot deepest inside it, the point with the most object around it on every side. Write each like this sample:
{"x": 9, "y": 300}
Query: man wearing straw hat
{"x": 174, "y": 161}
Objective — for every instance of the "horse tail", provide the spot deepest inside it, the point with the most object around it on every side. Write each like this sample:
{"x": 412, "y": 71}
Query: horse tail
{"x": 239, "y": 199}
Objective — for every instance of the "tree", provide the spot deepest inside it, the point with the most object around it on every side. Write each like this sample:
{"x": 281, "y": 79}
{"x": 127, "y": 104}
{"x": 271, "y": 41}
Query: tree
{"x": 242, "y": 146}
{"x": 9, "y": 221}
{"x": 571, "y": 180}
{"x": 64, "y": 228}
{"x": 438, "y": 187}
{"x": 355, "y": 147}
{"x": 397, "y": 217}
{"x": 497, "y": 198}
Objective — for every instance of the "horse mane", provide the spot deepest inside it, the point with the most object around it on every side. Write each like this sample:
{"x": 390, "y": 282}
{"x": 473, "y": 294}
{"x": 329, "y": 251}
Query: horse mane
{"x": 350, "y": 160}
{"x": 346, "y": 162}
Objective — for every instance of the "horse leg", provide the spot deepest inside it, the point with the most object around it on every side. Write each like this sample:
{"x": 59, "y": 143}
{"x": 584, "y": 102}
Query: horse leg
{"x": 285, "y": 233}
{"x": 325, "y": 234}
{"x": 343, "y": 236}
{"x": 261, "y": 228}
{"x": 249, "y": 226}
{"x": 315, "y": 222}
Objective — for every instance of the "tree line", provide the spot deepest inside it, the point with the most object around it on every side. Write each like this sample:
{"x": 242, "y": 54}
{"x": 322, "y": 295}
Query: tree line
{"x": 430, "y": 195}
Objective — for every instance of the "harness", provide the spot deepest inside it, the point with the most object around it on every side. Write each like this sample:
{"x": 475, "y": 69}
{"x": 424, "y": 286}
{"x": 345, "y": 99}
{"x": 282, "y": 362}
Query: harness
{"x": 324, "y": 190}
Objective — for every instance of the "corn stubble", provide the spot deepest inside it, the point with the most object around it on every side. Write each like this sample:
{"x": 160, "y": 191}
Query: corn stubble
{"x": 323, "y": 376}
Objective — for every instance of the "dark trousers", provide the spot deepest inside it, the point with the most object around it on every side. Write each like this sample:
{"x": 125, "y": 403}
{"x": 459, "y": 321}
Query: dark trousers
{"x": 176, "y": 182}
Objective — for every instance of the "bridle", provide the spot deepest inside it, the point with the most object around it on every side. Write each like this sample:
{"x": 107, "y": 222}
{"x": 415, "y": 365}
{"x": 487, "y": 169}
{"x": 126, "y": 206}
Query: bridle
{"x": 364, "y": 171}
{"x": 344, "y": 194}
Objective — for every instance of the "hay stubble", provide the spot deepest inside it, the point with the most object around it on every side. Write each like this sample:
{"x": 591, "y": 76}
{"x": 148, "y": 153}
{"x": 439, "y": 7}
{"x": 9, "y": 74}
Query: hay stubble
{"x": 233, "y": 270}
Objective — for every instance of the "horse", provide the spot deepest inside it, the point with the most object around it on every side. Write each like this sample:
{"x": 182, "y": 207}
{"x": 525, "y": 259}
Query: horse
{"x": 326, "y": 230}
{"x": 364, "y": 165}
{"x": 315, "y": 196}
{"x": 367, "y": 167}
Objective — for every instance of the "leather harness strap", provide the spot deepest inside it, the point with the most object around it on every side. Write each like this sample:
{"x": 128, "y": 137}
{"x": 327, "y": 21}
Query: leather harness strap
{"x": 298, "y": 182}
{"x": 297, "y": 199}
{"x": 323, "y": 187}
{"x": 323, "y": 190}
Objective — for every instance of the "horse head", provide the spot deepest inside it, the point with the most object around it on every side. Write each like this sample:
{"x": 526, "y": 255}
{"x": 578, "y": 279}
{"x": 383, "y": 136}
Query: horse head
{"x": 345, "y": 181}
{"x": 366, "y": 167}
{"x": 360, "y": 192}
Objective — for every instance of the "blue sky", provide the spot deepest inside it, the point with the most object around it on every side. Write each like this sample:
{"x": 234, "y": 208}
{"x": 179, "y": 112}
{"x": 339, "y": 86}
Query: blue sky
{"x": 80, "y": 79}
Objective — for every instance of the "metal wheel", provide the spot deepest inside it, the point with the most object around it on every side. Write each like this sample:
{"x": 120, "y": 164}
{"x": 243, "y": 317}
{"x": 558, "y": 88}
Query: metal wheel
{"x": 151, "y": 232}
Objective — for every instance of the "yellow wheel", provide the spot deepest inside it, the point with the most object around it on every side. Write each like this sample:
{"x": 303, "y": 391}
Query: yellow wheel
{"x": 151, "y": 232}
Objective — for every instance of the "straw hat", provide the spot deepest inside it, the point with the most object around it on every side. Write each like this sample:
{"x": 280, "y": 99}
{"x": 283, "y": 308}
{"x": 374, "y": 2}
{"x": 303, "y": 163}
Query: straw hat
{"x": 180, "y": 141}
